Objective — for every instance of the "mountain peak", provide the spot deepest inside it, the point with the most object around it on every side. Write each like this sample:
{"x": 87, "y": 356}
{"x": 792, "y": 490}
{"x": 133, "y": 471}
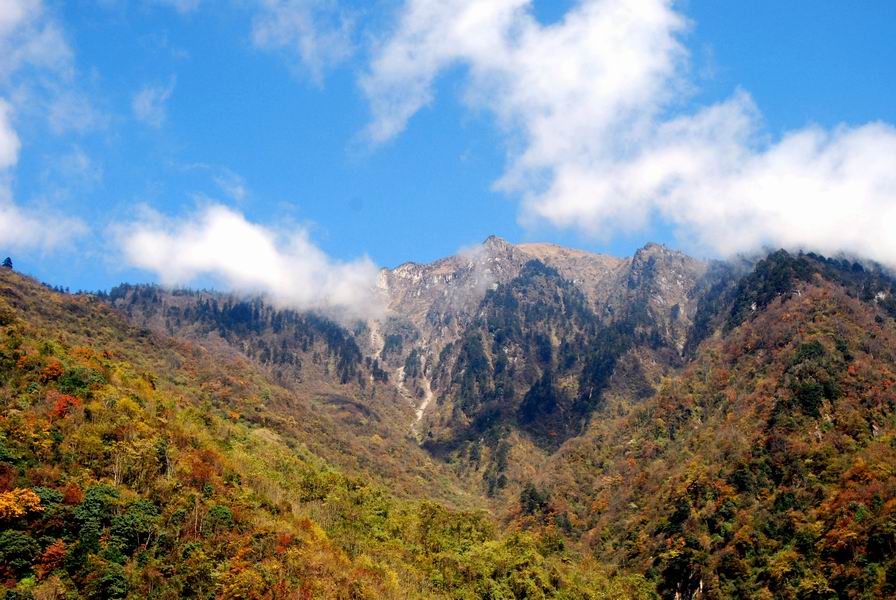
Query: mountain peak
{"x": 496, "y": 242}
{"x": 652, "y": 248}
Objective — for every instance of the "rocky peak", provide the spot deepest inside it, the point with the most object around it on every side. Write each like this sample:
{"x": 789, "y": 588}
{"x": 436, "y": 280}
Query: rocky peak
{"x": 495, "y": 243}
{"x": 657, "y": 266}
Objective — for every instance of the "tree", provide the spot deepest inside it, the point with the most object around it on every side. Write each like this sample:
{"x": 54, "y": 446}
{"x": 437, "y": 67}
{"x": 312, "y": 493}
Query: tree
{"x": 7, "y": 263}
{"x": 18, "y": 503}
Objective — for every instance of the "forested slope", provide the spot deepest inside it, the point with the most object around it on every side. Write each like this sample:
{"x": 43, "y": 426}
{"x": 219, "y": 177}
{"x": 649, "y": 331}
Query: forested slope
{"x": 741, "y": 447}
{"x": 767, "y": 468}
{"x": 142, "y": 467}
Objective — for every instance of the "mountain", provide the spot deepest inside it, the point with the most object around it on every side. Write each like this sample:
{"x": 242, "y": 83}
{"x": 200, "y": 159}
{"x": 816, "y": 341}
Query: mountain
{"x": 566, "y": 424}
{"x": 509, "y": 349}
{"x": 134, "y": 465}
{"x": 766, "y": 467}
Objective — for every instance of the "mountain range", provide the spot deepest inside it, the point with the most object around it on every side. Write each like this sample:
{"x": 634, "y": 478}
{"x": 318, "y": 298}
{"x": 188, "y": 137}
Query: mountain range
{"x": 521, "y": 421}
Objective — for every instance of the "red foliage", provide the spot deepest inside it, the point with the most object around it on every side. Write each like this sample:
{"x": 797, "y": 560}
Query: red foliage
{"x": 45, "y": 475}
{"x": 62, "y": 404}
{"x": 72, "y": 494}
{"x": 284, "y": 541}
{"x": 204, "y": 465}
{"x": 8, "y": 476}
{"x": 53, "y": 558}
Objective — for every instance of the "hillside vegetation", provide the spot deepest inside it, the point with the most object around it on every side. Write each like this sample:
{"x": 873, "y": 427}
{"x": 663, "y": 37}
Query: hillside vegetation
{"x": 767, "y": 468}
{"x": 674, "y": 430}
{"x": 133, "y": 466}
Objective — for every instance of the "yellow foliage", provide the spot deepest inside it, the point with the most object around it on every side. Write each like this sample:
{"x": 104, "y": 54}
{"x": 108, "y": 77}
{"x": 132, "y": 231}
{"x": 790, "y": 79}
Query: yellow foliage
{"x": 18, "y": 503}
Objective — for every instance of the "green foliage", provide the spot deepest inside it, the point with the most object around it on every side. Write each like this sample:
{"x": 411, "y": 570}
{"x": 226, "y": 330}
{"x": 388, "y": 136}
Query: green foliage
{"x": 17, "y": 551}
{"x": 219, "y": 518}
{"x": 532, "y": 500}
{"x": 79, "y": 381}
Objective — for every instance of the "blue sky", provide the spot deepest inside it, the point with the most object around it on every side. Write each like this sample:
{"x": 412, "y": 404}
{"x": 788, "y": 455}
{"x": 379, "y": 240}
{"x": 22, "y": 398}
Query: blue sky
{"x": 159, "y": 110}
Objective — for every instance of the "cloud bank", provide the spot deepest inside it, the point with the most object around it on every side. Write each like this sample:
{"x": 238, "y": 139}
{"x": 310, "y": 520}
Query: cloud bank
{"x": 599, "y": 141}
{"x": 220, "y": 243}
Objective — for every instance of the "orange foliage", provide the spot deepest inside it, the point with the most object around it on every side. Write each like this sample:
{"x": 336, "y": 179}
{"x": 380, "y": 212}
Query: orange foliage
{"x": 28, "y": 362}
{"x": 52, "y": 371}
{"x": 18, "y": 503}
{"x": 53, "y": 558}
{"x": 82, "y": 352}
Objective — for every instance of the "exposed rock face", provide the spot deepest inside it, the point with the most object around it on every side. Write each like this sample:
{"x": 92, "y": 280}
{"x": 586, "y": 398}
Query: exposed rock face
{"x": 435, "y": 297}
{"x": 439, "y": 298}
{"x": 487, "y": 343}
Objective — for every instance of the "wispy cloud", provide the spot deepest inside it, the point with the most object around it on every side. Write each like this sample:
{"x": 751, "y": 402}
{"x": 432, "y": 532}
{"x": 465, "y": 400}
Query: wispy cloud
{"x": 232, "y": 184}
{"x": 598, "y": 140}
{"x": 313, "y": 34}
{"x": 246, "y": 257}
{"x": 20, "y": 228}
{"x": 150, "y": 104}
{"x": 9, "y": 141}
{"x": 29, "y": 39}
{"x": 29, "y": 42}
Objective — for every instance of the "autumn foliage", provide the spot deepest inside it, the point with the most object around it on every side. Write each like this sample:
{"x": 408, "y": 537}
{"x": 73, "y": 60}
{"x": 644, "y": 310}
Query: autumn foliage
{"x": 18, "y": 503}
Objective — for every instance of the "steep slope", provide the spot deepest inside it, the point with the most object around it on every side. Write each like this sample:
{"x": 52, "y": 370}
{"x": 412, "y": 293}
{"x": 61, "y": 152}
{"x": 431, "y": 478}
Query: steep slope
{"x": 138, "y": 466}
{"x": 509, "y": 349}
{"x": 319, "y": 364}
{"x": 767, "y": 468}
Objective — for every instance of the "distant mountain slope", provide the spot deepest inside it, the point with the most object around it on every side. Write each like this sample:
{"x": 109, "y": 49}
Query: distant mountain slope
{"x": 623, "y": 324}
{"x": 358, "y": 419}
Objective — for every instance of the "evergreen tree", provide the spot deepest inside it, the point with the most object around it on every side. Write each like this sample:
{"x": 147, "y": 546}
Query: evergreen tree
{"x": 7, "y": 263}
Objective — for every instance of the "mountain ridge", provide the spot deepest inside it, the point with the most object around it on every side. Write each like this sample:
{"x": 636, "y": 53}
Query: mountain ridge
{"x": 711, "y": 429}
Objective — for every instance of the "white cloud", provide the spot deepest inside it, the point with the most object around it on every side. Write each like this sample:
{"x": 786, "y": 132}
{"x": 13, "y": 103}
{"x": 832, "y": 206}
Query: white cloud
{"x": 246, "y": 257}
{"x": 316, "y": 32}
{"x": 9, "y": 141}
{"x": 13, "y": 13}
{"x": 150, "y": 103}
{"x": 28, "y": 40}
{"x": 21, "y": 229}
{"x": 599, "y": 141}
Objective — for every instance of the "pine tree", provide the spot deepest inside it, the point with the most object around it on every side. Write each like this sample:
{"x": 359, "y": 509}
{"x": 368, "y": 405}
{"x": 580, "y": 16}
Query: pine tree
{"x": 7, "y": 263}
